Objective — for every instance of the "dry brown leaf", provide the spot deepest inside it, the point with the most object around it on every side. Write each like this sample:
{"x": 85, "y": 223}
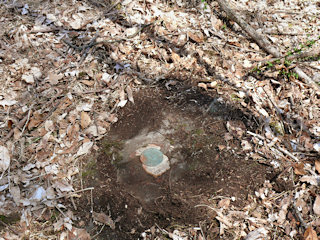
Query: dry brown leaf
{"x": 85, "y": 148}
{"x": 316, "y": 205}
{"x": 313, "y": 180}
{"x": 54, "y": 78}
{"x": 234, "y": 43}
{"x": 85, "y": 120}
{"x": 104, "y": 219}
{"x": 175, "y": 57}
{"x": 16, "y": 133}
{"x": 197, "y": 37}
{"x": 73, "y": 132}
{"x": 88, "y": 83}
{"x": 130, "y": 94}
{"x": 35, "y": 120}
{"x": 113, "y": 118}
{"x": 310, "y": 234}
{"x": 236, "y": 128}
{"x": 224, "y": 203}
{"x": 317, "y": 165}
{"x": 299, "y": 169}
{"x": 203, "y": 85}
{"x": 213, "y": 84}
{"x": 4, "y": 158}
{"x": 78, "y": 234}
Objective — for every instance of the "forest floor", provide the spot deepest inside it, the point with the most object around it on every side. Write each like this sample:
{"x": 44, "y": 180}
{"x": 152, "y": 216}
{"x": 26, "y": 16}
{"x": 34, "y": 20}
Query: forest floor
{"x": 88, "y": 86}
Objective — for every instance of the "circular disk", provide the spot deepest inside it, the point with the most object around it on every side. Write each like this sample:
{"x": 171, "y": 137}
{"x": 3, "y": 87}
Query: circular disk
{"x": 151, "y": 157}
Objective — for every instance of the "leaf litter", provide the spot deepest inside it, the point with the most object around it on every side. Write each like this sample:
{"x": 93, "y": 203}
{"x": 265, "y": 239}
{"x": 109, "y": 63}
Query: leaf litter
{"x": 61, "y": 92}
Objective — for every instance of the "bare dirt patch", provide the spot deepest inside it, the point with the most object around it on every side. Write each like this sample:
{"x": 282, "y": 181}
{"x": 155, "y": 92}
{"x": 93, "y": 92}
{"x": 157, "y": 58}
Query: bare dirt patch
{"x": 203, "y": 166}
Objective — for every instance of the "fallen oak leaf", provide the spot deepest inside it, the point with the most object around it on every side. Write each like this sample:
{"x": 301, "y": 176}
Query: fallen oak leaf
{"x": 299, "y": 169}
{"x": 310, "y": 234}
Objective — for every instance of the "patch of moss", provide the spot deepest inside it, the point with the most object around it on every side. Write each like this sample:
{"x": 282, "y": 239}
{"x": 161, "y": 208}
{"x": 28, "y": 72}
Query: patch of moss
{"x": 112, "y": 150}
{"x": 10, "y": 219}
{"x": 90, "y": 170}
{"x": 198, "y": 131}
{"x": 54, "y": 215}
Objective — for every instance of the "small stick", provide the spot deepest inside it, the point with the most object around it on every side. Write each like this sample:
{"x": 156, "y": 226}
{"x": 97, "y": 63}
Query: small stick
{"x": 71, "y": 194}
{"x": 91, "y": 198}
{"x": 288, "y": 153}
{"x": 202, "y": 231}
{"x": 73, "y": 203}
{"x": 60, "y": 211}
{"x": 28, "y": 118}
{"x": 279, "y": 148}
{"x": 94, "y": 236}
{"x": 20, "y": 125}
{"x": 303, "y": 224}
{"x": 6, "y": 225}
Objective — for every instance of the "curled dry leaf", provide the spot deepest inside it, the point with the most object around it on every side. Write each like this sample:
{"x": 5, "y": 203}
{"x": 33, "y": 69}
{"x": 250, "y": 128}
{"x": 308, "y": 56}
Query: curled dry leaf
{"x": 78, "y": 234}
{"x": 85, "y": 148}
{"x": 246, "y": 146}
{"x": 4, "y": 159}
{"x": 313, "y": 180}
{"x": 197, "y": 37}
{"x": 317, "y": 165}
{"x": 316, "y": 205}
{"x": 175, "y": 57}
{"x": 122, "y": 103}
{"x": 130, "y": 94}
{"x": 203, "y": 85}
{"x": 224, "y": 203}
{"x": 85, "y": 120}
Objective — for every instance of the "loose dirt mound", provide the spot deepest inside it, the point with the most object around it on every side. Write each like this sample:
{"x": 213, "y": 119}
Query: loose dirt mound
{"x": 190, "y": 129}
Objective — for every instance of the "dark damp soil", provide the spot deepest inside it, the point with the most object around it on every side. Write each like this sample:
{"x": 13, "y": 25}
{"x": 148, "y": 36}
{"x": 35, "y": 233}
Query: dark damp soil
{"x": 189, "y": 126}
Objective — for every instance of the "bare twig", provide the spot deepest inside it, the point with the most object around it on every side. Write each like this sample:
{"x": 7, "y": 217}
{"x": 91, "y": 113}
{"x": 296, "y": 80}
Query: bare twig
{"x": 21, "y": 123}
{"x": 279, "y": 148}
{"x": 298, "y": 214}
{"x": 28, "y": 118}
{"x": 112, "y": 6}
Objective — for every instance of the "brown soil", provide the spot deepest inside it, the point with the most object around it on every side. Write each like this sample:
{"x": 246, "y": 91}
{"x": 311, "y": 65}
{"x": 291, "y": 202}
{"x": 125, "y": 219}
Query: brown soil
{"x": 135, "y": 200}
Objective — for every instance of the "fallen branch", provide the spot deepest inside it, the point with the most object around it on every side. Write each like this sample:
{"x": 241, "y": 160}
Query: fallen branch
{"x": 260, "y": 39}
